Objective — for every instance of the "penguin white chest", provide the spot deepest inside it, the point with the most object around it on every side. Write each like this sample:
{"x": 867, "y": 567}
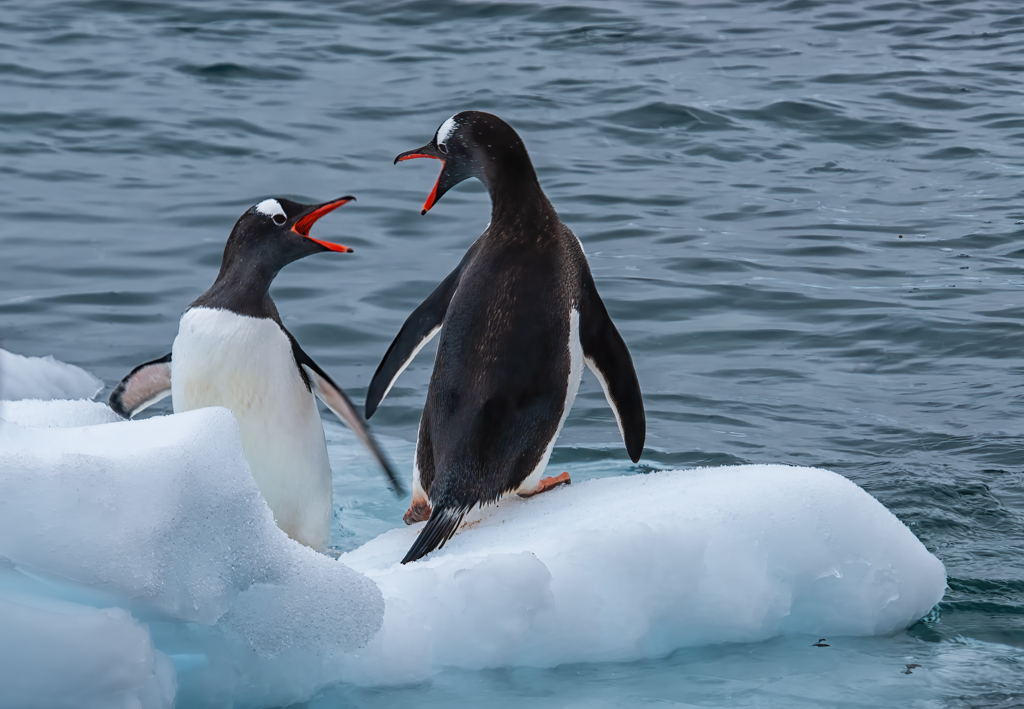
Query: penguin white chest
{"x": 246, "y": 364}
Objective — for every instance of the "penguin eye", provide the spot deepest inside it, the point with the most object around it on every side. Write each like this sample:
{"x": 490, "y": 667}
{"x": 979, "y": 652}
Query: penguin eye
{"x": 442, "y": 148}
{"x": 279, "y": 219}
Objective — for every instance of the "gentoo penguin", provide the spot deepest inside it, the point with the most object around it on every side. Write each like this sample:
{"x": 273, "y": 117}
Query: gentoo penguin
{"x": 232, "y": 350}
{"x": 520, "y": 316}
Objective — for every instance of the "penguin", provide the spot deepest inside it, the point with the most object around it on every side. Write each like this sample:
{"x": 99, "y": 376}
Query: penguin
{"x": 232, "y": 350}
{"x": 519, "y": 316}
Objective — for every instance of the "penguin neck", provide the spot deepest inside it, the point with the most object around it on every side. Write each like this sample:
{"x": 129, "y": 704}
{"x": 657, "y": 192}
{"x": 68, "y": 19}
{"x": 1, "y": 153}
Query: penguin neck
{"x": 243, "y": 287}
{"x": 518, "y": 204}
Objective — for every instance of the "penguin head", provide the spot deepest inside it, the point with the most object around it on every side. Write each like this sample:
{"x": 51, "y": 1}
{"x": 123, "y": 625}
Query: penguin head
{"x": 474, "y": 144}
{"x": 275, "y": 232}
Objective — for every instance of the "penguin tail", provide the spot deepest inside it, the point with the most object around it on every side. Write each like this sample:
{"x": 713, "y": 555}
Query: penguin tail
{"x": 439, "y": 529}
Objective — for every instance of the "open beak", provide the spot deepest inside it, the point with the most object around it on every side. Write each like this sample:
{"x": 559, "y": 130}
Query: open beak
{"x": 427, "y": 151}
{"x": 307, "y": 220}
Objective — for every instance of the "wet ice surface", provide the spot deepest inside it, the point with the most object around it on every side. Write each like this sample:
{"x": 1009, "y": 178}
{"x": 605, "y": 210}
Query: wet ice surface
{"x": 783, "y": 672}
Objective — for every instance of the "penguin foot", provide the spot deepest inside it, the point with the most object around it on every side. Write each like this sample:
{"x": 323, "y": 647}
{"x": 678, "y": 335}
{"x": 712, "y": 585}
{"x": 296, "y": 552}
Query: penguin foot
{"x": 419, "y": 511}
{"x": 549, "y": 484}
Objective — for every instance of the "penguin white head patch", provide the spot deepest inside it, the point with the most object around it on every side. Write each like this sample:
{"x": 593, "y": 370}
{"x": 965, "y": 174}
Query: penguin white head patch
{"x": 273, "y": 209}
{"x": 444, "y": 131}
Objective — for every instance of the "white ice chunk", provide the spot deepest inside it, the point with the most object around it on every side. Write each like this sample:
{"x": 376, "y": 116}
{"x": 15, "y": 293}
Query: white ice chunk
{"x": 620, "y": 569}
{"x": 56, "y": 654}
{"x": 161, "y": 517}
{"x": 159, "y": 522}
{"x": 33, "y": 413}
{"x": 43, "y": 378}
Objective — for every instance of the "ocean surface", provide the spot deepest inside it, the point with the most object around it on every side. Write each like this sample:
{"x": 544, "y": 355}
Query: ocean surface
{"x": 805, "y": 218}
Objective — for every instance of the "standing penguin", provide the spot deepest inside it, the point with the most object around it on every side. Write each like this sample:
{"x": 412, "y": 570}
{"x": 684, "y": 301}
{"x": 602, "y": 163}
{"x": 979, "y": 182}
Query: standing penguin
{"x": 232, "y": 350}
{"x": 521, "y": 315}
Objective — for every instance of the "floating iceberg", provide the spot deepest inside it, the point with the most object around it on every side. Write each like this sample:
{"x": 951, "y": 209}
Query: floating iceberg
{"x": 625, "y": 568}
{"x": 56, "y": 654}
{"x": 140, "y": 566}
{"x": 43, "y": 378}
{"x": 161, "y": 519}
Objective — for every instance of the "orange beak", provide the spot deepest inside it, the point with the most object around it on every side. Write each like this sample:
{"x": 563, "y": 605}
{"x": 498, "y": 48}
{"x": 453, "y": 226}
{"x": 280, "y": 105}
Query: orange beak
{"x": 432, "y": 197}
{"x": 306, "y": 222}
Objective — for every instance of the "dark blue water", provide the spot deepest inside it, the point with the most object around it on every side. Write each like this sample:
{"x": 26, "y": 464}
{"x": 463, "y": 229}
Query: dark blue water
{"x": 805, "y": 218}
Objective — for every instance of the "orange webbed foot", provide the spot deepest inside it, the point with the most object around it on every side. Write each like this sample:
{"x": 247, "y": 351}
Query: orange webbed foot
{"x": 549, "y": 484}
{"x": 419, "y": 511}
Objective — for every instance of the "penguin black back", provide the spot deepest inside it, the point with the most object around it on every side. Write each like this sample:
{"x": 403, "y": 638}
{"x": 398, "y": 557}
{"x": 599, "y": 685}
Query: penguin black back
{"x": 521, "y": 314}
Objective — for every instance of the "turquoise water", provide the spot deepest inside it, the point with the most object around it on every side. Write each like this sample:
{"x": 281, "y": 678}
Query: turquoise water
{"x": 805, "y": 218}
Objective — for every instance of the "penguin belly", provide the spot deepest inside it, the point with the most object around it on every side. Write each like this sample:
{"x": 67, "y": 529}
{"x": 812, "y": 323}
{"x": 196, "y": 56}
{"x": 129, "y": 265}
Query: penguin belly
{"x": 246, "y": 364}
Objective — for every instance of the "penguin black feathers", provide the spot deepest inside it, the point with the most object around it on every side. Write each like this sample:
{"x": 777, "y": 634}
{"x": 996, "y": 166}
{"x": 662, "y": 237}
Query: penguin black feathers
{"x": 518, "y": 317}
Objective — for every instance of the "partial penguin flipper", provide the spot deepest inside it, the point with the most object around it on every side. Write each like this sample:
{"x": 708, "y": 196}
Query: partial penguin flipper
{"x": 608, "y": 358}
{"x": 338, "y": 402}
{"x": 419, "y": 328}
{"x": 144, "y": 386}
{"x": 439, "y": 529}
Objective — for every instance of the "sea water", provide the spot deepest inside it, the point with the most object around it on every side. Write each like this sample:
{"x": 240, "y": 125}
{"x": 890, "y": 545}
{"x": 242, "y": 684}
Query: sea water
{"x": 804, "y": 218}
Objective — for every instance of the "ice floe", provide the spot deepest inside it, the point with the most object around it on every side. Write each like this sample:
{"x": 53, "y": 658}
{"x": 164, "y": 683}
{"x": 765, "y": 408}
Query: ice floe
{"x": 43, "y": 378}
{"x": 161, "y": 518}
{"x": 56, "y": 654}
{"x": 634, "y": 567}
{"x": 140, "y": 565}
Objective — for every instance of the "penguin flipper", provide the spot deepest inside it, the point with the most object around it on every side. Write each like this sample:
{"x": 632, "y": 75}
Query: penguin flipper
{"x": 144, "y": 386}
{"x": 438, "y": 530}
{"x": 608, "y": 358}
{"x": 338, "y": 402}
{"x": 419, "y": 328}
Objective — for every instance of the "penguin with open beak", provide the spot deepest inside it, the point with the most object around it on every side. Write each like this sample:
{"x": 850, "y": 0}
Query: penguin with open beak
{"x": 518, "y": 317}
{"x": 232, "y": 350}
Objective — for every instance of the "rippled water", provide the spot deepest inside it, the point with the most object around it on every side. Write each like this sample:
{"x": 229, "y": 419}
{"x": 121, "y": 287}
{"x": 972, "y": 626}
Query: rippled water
{"x": 805, "y": 218}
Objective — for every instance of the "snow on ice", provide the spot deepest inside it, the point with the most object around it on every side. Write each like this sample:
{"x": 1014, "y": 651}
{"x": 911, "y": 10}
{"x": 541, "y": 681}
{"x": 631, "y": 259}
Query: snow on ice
{"x": 43, "y": 378}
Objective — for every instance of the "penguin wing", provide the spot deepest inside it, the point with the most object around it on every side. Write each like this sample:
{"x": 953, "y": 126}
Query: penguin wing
{"x": 608, "y": 358}
{"x": 144, "y": 386}
{"x": 419, "y": 328}
{"x": 338, "y": 402}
